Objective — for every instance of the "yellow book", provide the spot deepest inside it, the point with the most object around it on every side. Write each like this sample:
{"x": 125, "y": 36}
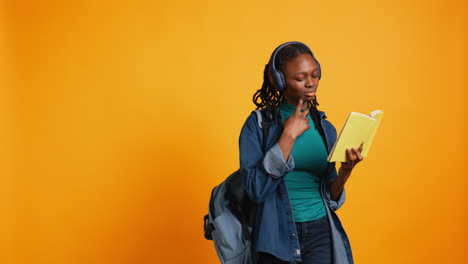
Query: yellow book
{"x": 358, "y": 129}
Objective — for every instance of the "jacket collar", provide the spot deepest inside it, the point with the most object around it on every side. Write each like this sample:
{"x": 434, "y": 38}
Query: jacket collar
{"x": 322, "y": 114}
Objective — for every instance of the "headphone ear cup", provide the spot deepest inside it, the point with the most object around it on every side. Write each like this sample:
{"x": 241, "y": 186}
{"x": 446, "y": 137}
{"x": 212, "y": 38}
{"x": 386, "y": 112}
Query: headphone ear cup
{"x": 282, "y": 82}
{"x": 277, "y": 78}
{"x": 319, "y": 69}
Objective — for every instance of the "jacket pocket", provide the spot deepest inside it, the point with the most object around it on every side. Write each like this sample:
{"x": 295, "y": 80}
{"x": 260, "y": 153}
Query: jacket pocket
{"x": 229, "y": 243}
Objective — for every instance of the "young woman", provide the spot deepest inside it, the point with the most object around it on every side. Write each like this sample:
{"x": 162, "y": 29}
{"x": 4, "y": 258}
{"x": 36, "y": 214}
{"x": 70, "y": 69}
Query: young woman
{"x": 297, "y": 190}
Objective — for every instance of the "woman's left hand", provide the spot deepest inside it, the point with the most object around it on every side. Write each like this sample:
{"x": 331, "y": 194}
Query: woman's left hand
{"x": 353, "y": 157}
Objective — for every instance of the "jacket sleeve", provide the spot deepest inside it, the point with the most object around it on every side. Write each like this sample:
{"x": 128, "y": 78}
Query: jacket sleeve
{"x": 334, "y": 205}
{"x": 261, "y": 172}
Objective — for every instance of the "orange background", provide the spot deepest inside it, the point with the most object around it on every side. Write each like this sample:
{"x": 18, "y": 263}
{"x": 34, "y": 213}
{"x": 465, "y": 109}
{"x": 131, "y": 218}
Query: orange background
{"x": 118, "y": 118}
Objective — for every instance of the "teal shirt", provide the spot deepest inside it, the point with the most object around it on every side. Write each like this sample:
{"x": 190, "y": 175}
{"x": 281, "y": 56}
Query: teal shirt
{"x": 303, "y": 183}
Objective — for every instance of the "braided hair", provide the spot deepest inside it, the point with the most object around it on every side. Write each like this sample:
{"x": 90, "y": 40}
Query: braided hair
{"x": 269, "y": 97}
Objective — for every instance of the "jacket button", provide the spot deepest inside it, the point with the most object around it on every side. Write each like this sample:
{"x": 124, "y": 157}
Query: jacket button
{"x": 293, "y": 235}
{"x": 289, "y": 212}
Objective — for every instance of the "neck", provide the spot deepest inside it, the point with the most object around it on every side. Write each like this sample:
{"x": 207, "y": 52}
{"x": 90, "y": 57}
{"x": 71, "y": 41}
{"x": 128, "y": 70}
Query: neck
{"x": 305, "y": 104}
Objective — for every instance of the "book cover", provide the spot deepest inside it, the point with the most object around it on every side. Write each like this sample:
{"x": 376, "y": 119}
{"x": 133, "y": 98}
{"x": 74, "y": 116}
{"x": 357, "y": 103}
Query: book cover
{"x": 359, "y": 128}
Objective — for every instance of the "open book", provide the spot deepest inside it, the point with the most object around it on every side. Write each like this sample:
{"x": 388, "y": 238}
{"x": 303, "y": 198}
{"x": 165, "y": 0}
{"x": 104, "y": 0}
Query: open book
{"x": 358, "y": 129}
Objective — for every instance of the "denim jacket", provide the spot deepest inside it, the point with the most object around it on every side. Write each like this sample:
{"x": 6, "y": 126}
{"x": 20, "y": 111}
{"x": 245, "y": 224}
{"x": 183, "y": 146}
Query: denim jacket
{"x": 275, "y": 229}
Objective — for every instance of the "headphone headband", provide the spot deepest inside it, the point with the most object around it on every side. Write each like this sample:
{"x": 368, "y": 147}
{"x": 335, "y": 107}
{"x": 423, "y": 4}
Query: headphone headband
{"x": 278, "y": 76}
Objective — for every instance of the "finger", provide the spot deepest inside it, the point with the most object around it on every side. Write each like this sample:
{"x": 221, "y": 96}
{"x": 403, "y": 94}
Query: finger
{"x": 349, "y": 155}
{"x": 359, "y": 156}
{"x": 348, "y": 161}
{"x": 361, "y": 147}
{"x": 299, "y": 106}
{"x": 354, "y": 152}
{"x": 305, "y": 113}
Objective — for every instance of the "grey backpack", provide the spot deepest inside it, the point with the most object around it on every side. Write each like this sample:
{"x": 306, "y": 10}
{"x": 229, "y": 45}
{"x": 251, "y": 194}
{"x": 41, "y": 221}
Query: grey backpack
{"x": 231, "y": 217}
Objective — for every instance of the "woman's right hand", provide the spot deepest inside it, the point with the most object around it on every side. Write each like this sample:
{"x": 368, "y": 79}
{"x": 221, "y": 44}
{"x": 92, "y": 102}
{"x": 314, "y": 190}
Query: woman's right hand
{"x": 293, "y": 127}
{"x": 297, "y": 123}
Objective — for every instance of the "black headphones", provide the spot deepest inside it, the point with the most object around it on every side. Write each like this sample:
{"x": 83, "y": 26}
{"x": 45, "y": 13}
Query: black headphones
{"x": 278, "y": 76}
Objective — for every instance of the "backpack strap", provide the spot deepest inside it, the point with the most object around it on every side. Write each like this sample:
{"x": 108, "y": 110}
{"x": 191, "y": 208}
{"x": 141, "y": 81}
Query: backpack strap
{"x": 259, "y": 117}
{"x": 264, "y": 122}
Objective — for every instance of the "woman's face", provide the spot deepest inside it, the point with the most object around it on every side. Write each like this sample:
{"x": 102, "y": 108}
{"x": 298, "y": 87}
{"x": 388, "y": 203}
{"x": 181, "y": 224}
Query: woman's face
{"x": 301, "y": 76}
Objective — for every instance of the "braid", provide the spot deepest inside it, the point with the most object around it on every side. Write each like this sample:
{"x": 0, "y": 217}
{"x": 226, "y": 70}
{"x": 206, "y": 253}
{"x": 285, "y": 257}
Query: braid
{"x": 267, "y": 95}
{"x": 314, "y": 112}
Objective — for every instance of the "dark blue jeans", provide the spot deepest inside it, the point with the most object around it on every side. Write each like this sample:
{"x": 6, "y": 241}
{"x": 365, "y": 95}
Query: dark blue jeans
{"x": 315, "y": 241}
